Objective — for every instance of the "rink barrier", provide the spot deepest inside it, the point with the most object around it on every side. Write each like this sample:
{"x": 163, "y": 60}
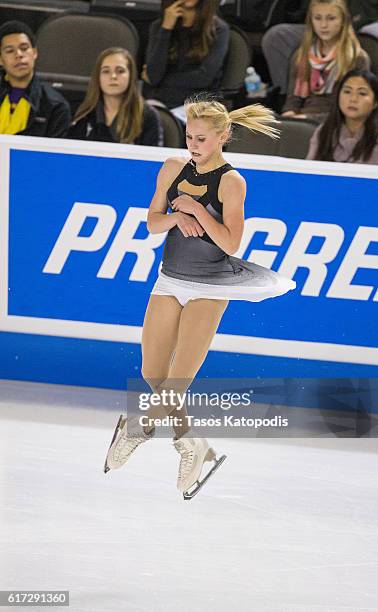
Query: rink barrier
{"x": 77, "y": 263}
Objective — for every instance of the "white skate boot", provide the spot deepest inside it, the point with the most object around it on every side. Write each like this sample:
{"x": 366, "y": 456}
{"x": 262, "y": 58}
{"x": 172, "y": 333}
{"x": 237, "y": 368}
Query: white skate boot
{"x": 194, "y": 452}
{"x": 123, "y": 444}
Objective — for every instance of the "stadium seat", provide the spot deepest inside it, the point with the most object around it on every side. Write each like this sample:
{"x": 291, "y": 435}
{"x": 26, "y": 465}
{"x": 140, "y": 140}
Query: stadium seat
{"x": 370, "y": 44}
{"x": 35, "y": 12}
{"x": 294, "y": 140}
{"x": 236, "y": 63}
{"x": 295, "y": 137}
{"x": 69, "y": 44}
{"x": 244, "y": 141}
{"x": 172, "y": 128}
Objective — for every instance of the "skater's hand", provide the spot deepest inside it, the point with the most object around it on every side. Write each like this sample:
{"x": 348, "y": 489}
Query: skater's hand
{"x": 184, "y": 203}
{"x": 172, "y": 13}
{"x": 188, "y": 225}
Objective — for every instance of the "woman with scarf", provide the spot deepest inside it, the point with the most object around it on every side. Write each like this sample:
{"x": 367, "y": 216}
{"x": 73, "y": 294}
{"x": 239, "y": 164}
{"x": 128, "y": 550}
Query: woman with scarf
{"x": 329, "y": 49}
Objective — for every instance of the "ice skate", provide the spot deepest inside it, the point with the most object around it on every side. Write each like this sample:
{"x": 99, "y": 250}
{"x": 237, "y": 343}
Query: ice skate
{"x": 123, "y": 444}
{"x": 194, "y": 453}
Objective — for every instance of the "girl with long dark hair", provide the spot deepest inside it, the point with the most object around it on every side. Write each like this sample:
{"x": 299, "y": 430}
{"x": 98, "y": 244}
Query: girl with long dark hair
{"x": 350, "y": 133}
{"x": 186, "y": 51}
{"x": 113, "y": 109}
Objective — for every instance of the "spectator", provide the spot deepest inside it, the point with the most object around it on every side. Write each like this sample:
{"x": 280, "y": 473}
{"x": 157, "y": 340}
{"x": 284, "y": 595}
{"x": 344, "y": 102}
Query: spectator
{"x": 350, "y": 133}
{"x": 113, "y": 109}
{"x": 280, "y": 41}
{"x": 186, "y": 51}
{"x": 328, "y": 50}
{"x": 27, "y": 106}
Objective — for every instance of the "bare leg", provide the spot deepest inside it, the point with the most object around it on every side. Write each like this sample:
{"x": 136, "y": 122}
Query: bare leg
{"x": 175, "y": 343}
{"x": 159, "y": 340}
{"x": 198, "y": 324}
{"x": 159, "y": 337}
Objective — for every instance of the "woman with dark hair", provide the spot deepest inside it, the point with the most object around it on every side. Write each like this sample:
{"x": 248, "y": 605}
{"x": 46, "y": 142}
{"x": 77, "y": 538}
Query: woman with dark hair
{"x": 350, "y": 133}
{"x": 186, "y": 51}
{"x": 113, "y": 109}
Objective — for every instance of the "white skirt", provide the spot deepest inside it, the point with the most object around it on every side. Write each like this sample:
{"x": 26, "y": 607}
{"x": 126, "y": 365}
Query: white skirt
{"x": 184, "y": 290}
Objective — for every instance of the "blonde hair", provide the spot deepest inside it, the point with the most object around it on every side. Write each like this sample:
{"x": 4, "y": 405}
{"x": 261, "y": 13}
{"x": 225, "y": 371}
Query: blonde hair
{"x": 348, "y": 46}
{"x": 254, "y": 117}
{"x": 130, "y": 115}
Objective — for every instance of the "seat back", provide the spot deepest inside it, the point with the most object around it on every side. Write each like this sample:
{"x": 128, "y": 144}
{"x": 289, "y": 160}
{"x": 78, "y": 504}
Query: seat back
{"x": 35, "y": 12}
{"x": 172, "y": 128}
{"x": 237, "y": 60}
{"x": 245, "y": 141}
{"x": 293, "y": 142}
{"x": 370, "y": 44}
{"x": 69, "y": 44}
{"x": 295, "y": 137}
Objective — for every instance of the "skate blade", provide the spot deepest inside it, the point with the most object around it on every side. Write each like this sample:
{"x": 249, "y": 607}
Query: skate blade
{"x": 120, "y": 425}
{"x": 190, "y": 494}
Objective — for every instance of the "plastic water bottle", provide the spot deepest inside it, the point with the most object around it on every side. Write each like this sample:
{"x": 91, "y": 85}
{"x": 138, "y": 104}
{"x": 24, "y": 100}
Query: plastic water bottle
{"x": 252, "y": 82}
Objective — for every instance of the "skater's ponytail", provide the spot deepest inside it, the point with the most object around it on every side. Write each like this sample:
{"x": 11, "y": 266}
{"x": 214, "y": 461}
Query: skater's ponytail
{"x": 254, "y": 117}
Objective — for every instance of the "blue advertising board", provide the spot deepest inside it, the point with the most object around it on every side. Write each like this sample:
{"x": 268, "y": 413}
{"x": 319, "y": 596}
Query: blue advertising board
{"x": 78, "y": 264}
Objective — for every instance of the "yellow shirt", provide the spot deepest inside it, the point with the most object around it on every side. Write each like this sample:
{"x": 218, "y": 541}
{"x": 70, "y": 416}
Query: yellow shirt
{"x": 14, "y": 118}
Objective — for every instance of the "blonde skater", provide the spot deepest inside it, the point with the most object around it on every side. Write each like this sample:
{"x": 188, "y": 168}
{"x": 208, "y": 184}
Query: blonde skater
{"x": 199, "y": 276}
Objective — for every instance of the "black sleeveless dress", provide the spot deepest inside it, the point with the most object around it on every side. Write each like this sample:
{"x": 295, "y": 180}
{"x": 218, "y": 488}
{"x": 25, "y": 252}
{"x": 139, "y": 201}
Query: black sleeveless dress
{"x": 200, "y": 266}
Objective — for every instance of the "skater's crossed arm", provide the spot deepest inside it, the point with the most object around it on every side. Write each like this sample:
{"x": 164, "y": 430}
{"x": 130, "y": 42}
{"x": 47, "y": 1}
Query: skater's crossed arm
{"x": 158, "y": 221}
{"x": 226, "y": 235}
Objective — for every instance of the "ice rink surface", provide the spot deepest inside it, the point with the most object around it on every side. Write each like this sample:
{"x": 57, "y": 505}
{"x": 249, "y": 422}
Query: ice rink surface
{"x": 283, "y": 526}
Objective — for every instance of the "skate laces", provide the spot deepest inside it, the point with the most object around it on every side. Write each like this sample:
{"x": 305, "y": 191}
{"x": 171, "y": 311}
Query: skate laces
{"x": 186, "y": 458}
{"x": 129, "y": 441}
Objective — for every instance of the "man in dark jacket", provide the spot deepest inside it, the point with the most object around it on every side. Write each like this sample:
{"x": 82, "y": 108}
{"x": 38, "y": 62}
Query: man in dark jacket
{"x": 27, "y": 106}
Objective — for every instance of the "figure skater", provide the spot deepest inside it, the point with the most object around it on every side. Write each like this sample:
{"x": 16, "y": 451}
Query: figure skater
{"x": 199, "y": 275}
